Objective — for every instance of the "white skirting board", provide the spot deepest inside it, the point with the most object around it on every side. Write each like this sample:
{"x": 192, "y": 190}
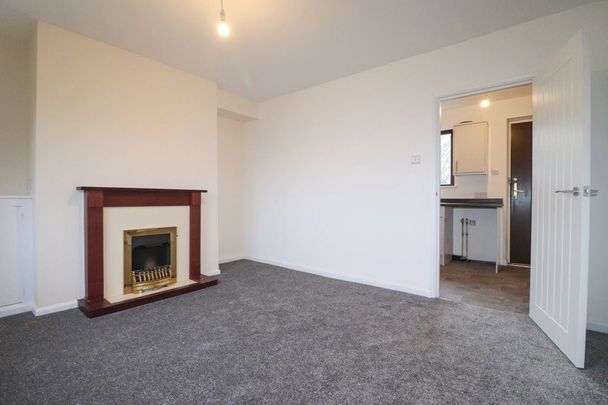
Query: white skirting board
{"x": 233, "y": 259}
{"x": 211, "y": 273}
{"x": 14, "y": 309}
{"x": 50, "y": 309}
{"x": 323, "y": 273}
{"x": 597, "y": 327}
{"x": 64, "y": 306}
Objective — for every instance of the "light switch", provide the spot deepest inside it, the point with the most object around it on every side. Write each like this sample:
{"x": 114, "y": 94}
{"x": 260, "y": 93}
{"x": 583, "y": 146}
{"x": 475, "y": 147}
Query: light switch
{"x": 415, "y": 159}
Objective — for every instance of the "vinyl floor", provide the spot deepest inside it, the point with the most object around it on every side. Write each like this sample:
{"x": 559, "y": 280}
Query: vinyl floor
{"x": 478, "y": 284}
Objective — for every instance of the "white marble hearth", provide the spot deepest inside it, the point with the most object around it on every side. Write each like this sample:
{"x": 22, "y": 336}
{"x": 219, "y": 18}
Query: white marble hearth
{"x": 125, "y": 297}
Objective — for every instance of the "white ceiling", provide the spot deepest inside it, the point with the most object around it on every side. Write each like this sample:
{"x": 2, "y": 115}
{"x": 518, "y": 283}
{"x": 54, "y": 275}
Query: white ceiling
{"x": 277, "y": 46}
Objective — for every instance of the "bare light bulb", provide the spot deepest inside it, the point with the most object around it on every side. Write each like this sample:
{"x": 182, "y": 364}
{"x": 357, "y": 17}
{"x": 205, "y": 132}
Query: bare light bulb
{"x": 223, "y": 28}
{"x": 485, "y": 103}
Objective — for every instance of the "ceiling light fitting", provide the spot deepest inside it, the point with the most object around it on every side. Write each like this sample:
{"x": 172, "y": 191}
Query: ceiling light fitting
{"x": 222, "y": 26}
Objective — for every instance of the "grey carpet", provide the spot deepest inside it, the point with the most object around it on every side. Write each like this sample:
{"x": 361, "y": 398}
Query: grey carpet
{"x": 270, "y": 335}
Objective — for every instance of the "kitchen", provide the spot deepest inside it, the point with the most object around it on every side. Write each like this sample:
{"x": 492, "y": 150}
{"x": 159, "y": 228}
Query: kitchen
{"x": 486, "y": 153}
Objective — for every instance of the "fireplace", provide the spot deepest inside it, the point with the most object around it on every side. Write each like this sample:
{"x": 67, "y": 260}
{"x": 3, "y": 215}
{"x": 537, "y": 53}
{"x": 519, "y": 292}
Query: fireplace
{"x": 96, "y": 200}
{"x": 149, "y": 259}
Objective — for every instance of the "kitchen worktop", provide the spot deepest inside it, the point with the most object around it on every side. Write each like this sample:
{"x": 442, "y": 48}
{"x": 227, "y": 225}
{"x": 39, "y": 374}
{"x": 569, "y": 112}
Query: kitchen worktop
{"x": 472, "y": 202}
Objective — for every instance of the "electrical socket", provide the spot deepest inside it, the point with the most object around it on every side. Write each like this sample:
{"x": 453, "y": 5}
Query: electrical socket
{"x": 471, "y": 222}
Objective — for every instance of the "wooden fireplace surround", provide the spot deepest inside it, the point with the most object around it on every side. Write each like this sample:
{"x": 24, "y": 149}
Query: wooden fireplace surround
{"x": 95, "y": 199}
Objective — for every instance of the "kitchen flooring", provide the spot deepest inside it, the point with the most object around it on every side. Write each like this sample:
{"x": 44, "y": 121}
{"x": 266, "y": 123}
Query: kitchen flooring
{"x": 477, "y": 283}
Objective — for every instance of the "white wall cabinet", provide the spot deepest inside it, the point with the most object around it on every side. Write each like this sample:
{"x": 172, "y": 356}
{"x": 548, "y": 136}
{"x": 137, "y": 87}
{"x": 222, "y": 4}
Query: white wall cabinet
{"x": 15, "y": 254}
{"x": 10, "y": 287}
{"x": 470, "y": 148}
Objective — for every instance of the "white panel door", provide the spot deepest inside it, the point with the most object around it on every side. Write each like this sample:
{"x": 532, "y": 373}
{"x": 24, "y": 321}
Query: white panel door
{"x": 10, "y": 278}
{"x": 560, "y": 214}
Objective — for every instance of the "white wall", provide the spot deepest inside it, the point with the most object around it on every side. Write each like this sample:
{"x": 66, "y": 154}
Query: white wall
{"x": 598, "y": 263}
{"x": 107, "y": 117}
{"x": 482, "y": 237}
{"x": 329, "y": 182}
{"x": 235, "y": 107}
{"x": 230, "y": 186}
{"x": 16, "y": 116}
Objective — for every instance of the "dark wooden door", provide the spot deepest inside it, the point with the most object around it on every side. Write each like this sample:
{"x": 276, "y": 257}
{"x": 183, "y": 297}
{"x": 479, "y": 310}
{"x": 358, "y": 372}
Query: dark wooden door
{"x": 521, "y": 192}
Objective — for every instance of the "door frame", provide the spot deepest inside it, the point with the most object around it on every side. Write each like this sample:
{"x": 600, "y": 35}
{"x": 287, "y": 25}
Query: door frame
{"x": 510, "y": 122}
{"x": 471, "y": 91}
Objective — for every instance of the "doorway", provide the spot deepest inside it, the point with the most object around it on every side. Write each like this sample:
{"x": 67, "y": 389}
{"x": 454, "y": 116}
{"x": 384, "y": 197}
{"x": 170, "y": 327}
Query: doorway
{"x": 488, "y": 150}
{"x": 562, "y": 190}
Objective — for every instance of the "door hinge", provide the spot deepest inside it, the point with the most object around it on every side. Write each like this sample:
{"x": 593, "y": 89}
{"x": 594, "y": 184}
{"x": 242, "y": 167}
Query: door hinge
{"x": 589, "y": 192}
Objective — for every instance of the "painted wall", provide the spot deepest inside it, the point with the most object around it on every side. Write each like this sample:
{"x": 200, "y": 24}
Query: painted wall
{"x": 598, "y": 263}
{"x": 16, "y": 116}
{"x": 235, "y": 107}
{"x": 231, "y": 187}
{"x": 329, "y": 181}
{"x": 482, "y": 237}
{"x": 108, "y": 117}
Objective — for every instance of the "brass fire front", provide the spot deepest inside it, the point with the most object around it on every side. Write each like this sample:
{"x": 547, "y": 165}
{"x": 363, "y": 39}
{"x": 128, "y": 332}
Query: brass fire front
{"x": 153, "y": 265}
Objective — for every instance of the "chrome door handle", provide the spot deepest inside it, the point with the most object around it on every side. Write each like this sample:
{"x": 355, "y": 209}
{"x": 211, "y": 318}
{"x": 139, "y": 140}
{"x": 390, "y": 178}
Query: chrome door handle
{"x": 516, "y": 193}
{"x": 575, "y": 191}
{"x": 515, "y": 189}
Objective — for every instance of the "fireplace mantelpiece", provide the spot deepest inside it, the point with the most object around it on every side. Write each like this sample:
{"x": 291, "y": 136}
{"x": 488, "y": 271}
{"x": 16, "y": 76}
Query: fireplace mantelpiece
{"x": 95, "y": 199}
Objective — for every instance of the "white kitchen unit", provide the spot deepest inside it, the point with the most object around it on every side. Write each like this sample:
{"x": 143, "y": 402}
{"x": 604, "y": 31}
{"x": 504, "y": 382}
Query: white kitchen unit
{"x": 470, "y": 148}
{"x": 15, "y": 254}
